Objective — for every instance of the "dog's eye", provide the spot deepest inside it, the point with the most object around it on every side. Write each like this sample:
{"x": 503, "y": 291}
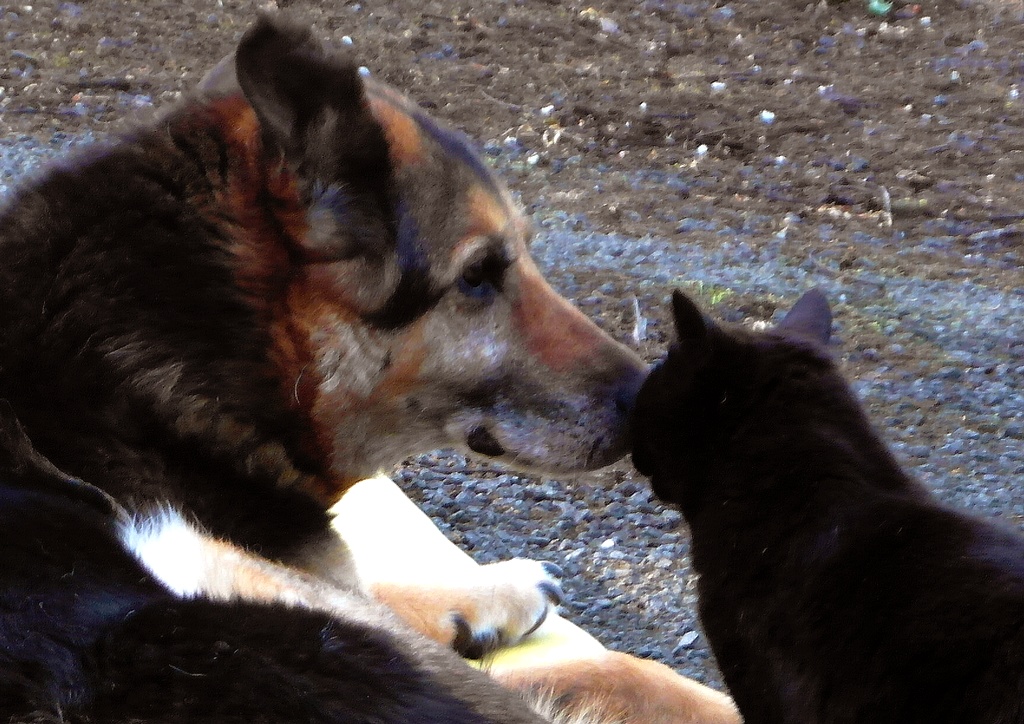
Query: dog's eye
{"x": 482, "y": 278}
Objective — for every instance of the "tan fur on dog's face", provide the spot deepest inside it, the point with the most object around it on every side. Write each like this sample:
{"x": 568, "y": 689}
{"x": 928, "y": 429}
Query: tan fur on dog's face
{"x": 516, "y": 371}
{"x": 427, "y": 325}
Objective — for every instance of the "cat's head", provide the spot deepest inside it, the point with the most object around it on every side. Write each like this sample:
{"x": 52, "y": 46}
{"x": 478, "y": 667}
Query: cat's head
{"x": 706, "y": 382}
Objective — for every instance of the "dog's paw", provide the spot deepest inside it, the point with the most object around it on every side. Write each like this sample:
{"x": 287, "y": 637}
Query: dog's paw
{"x": 481, "y": 609}
{"x": 510, "y": 601}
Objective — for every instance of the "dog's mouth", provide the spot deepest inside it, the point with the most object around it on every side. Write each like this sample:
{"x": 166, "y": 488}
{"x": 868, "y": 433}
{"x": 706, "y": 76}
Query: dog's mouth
{"x": 531, "y": 442}
{"x": 480, "y": 440}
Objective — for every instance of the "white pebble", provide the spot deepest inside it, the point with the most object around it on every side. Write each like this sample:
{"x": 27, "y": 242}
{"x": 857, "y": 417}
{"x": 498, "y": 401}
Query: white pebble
{"x": 767, "y": 117}
{"x": 346, "y": 40}
{"x": 718, "y": 86}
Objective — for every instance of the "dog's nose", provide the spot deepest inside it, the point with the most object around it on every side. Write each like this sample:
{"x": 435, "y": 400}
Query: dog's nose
{"x": 627, "y": 388}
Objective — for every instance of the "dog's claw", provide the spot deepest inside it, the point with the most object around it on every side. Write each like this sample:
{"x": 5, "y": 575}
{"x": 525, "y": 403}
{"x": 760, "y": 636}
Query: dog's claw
{"x": 537, "y": 624}
{"x": 470, "y": 645}
{"x": 553, "y": 569}
{"x": 553, "y": 592}
{"x": 463, "y": 635}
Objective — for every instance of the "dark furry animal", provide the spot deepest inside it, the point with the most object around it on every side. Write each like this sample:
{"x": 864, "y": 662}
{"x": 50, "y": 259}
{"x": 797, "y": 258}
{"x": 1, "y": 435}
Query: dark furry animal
{"x": 89, "y": 635}
{"x": 293, "y": 280}
{"x": 833, "y": 587}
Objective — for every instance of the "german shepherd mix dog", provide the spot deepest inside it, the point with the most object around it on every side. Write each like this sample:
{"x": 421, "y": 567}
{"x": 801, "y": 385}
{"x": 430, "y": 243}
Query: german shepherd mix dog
{"x": 833, "y": 587}
{"x": 219, "y": 324}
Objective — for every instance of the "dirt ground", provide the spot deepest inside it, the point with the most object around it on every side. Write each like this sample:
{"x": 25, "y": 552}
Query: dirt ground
{"x": 815, "y": 131}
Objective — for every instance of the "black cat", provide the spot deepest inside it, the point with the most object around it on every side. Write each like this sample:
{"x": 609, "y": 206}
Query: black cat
{"x": 833, "y": 587}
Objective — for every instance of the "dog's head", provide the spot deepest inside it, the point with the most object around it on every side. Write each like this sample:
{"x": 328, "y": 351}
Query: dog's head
{"x": 404, "y": 309}
{"x": 707, "y": 386}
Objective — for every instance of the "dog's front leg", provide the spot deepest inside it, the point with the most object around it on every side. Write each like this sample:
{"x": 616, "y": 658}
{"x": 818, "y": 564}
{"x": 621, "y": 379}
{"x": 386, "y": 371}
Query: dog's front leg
{"x": 409, "y": 564}
{"x": 403, "y": 560}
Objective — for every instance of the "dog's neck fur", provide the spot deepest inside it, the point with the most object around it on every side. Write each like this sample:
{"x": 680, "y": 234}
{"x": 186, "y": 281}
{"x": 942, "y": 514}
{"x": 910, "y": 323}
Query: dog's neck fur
{"x": 116, "y": 392}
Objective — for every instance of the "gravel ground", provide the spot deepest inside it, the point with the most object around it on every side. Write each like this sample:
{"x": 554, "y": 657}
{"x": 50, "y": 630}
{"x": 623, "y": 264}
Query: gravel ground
{"x": 890, "y": 175}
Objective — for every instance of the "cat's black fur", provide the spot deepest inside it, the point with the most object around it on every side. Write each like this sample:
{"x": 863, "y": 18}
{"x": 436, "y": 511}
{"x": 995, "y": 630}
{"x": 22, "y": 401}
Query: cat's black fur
{"x": 833, "y": 586}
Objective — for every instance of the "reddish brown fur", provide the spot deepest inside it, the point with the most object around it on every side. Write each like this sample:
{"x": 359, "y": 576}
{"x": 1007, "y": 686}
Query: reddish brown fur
{"x": 291, "y": 355}
{"x": 626, "y": 690}
{"x": 485, "y": 214}
{"x": 403, "y": 134}
{"x": 557, "y": 333}
{"x": 260, "y": 240}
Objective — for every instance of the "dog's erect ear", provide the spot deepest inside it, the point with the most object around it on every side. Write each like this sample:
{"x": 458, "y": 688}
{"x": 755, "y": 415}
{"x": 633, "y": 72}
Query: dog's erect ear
{"x": 290, "y": 81}
{"x": 221, "y": 79}
{"x": 311, "y": 105}
{"x": 692, "y": 327}
{"x": 312, "y": 109}
{"x": 810, "y": 318}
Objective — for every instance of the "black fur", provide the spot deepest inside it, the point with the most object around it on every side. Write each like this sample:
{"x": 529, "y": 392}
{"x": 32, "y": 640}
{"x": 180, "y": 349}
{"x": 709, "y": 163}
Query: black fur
{"x": 89, "y": 636}
{"x": 832, "y": 586}
{"x": 82, "y": 315}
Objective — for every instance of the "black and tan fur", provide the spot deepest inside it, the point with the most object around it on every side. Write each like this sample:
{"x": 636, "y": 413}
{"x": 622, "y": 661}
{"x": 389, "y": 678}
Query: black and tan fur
{"x": 219, "y": 323}
{"x": 833, "y": 587}
{"x": 279, "y": 291}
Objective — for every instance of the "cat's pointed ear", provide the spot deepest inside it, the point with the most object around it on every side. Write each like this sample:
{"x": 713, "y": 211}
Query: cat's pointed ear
{"x": 810, "y": 317}
{"x": 692, "y": 327}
